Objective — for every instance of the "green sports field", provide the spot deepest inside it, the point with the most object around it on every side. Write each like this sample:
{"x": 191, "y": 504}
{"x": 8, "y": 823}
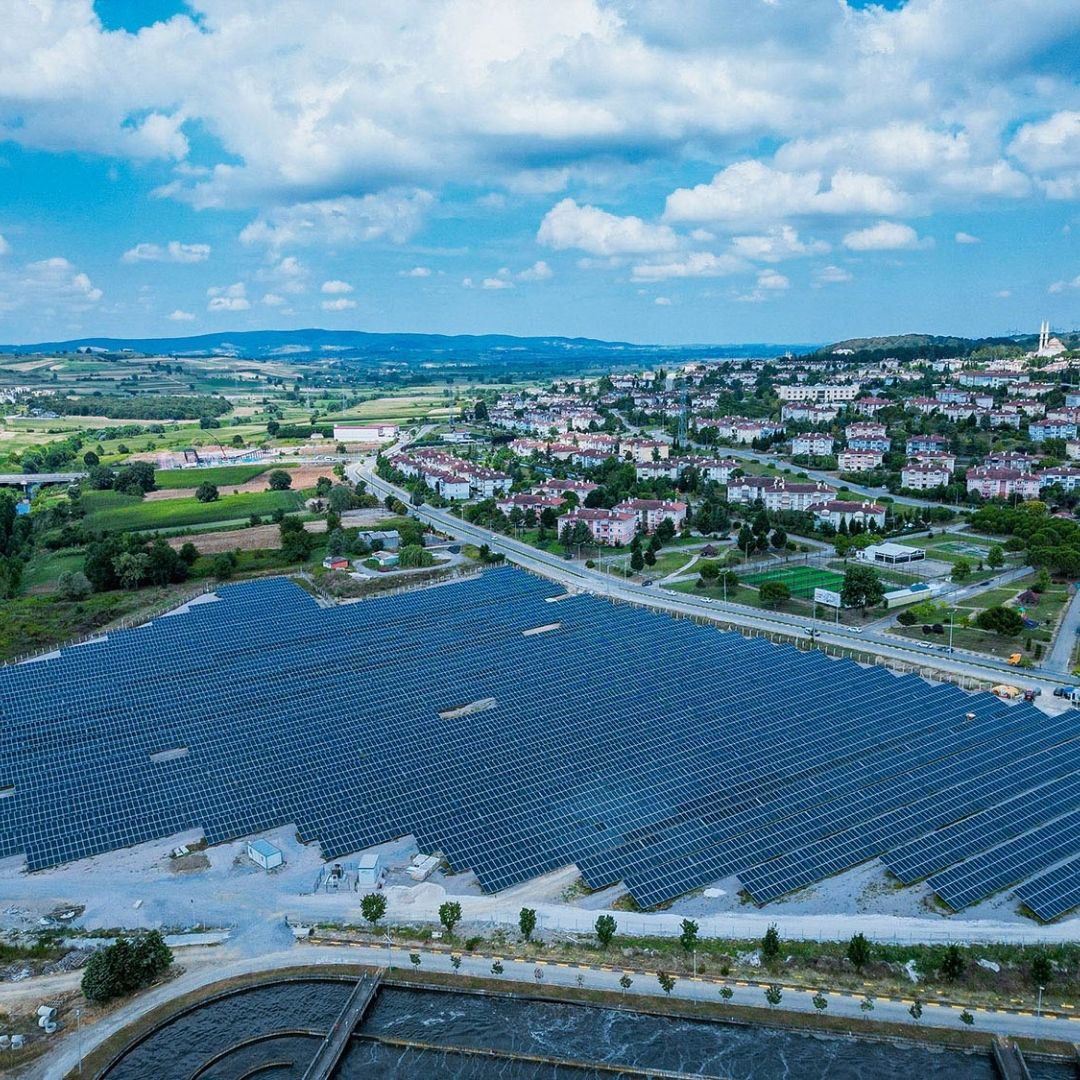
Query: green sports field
{"x": 801, "y": 580}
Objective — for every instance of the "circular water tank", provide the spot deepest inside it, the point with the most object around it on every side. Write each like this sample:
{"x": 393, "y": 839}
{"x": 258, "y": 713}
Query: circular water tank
{"x": 5, "y": 1041}
{"x": 17, "y": 1042}
{"x": 46, "y": 1010}
{"x": 50, "y": 1027}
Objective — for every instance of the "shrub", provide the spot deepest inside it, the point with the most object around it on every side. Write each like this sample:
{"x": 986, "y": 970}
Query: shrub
{"x": 279, "y": 480}
{"x": 73, "y": 585}
{"x": 206, "y": 492}
{"x": 125, "y": 966}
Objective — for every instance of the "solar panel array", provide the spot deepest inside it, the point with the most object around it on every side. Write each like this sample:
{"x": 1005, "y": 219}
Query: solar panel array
{"x": 648, "y": 750}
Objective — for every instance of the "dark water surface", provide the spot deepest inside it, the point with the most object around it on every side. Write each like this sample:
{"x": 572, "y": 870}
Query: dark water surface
{"x": 547, "y": 1029}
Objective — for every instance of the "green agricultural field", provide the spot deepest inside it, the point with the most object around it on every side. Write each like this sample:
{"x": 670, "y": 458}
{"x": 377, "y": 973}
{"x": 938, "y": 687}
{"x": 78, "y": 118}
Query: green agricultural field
{"x": 43, "y": 570}
{"x": 801, "y": 580}
{"x": 139, "y": 516}
{"x": 222, "y": 476}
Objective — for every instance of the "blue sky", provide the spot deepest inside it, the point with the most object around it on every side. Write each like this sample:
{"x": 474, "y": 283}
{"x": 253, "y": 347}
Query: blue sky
{"x": 670, "y": 171}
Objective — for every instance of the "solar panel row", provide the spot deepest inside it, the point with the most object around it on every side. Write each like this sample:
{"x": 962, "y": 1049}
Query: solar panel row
{"x": 645, "y": 749}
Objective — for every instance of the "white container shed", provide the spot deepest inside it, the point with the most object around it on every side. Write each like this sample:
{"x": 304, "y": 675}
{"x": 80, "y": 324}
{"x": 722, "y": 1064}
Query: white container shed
{"x": 264, "y": 854}
{"x": 368, "y": 870}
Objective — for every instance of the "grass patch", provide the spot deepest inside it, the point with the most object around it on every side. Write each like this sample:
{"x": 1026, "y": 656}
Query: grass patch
{"x": 47, "y": 566}
{"x": 801, "y": 580}
{"x": 222, "y": 475}
{"x": 143, "y": 516}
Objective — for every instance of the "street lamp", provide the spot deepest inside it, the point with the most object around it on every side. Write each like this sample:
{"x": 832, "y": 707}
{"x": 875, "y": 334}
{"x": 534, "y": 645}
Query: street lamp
{"x": 1038, "y": 1014}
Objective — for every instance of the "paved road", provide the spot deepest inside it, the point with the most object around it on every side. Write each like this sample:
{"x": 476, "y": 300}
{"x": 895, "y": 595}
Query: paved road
{"x": 522, "y": 972}
{"x": 574, "y": 575}
{"x": 1058, "y": 662}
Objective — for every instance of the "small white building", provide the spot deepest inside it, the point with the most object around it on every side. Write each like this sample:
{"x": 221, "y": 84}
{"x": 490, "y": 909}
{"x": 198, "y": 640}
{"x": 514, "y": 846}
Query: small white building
{"x": 264, "y": 854}
{"x": 890, "y": 554}
{"x": 369, "y": 869}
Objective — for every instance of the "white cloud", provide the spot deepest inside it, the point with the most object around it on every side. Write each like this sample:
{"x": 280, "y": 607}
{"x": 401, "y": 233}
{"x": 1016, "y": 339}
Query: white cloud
{"x": 272, "y": 300}
{"x": 587, "y": 228}
{"x": 5, "y": 247}
{"x": 180, "y": 316}
{"x": 779, "y": 243}
{"x": 885, "y": 236}
{"x": 1061, "y": 286}
{"x": 173, "y": 252}
{"x": 539, "y": 271}
{"x": 831, "y": 275}
{"x": 770, "y": 279}
{"x": 416, "y": 272}
{"x": 1049, "y": 145}
{"x": 1003, "y": 294}
{"x": 966, "y": 238}
{"x": 663, "y": 301}
{"x": 341, "y": 304}
{"x": 53, "y": 287}
{"x": 336, "y": 286}
{"x": 392, "y": 216}
{"x": 753, "y": 191}
{"x": 696, "y": 264}
{"x": 228, "y": 297}
{"x": 497, "y": 283}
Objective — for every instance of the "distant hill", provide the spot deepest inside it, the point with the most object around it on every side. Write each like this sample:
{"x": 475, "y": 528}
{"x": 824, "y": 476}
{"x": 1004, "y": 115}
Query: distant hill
{"x": 910, "y": 346}
{"x": 485, "y": 349}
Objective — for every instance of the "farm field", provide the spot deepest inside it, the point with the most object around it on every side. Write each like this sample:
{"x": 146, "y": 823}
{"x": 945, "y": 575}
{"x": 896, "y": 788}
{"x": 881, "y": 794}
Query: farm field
{"x": 253, "y": 538}
{"x": 222, "y": 475}
{"x": 303, "y": 477}
{"x": 139, "y": 515}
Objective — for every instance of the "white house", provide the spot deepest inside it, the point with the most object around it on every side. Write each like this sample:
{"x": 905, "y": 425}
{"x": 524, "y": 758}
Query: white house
{"x": 835, "y": 511}
{"x": 263, "y": 853}
{"x": 812, "y": 444}
{"x": 365, "y": 433}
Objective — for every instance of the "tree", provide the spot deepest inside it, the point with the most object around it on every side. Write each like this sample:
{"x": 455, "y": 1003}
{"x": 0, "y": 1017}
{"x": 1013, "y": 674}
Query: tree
{"x": 626, "y": 982}
{"x": 774, "y": 994}
{"x": 296, "y": 541}
{"x": 650, "y": 557}
{"x": 967, "y": 1018}
{"x": 414, "y": 556}
{"x": 135, "y": 478}
{"x": 527, "y": 922}
{"x": 497, "y": 968}
{"x": 206, "y": 492}
{"x": 322, "y": 486}
{"x": 637, "y": 561}
{"x": 189, "y": 553}
{"x": 340, "y": 499}
{"x": 666, "y": 981}
{"x": 125, "y": 966}
{"x": 165, "y": 564}
{"x": 962, "y": 569}
{"x": 995, "y": 557}
{"x": 867, "y": 1004}
{"x": 605, "y": 929}
{"x": 450, "y": 915}
{"x": 821, "y": 1002}
{"x": 132, "y": 568}
{"x": 455, "y": 961}
{"x": 726, "y": 993}
{"x": 414, "y": 959}
{"x": 774, "y": 593}
{"x": 778, "y": 538}
{"x": 952, "y": 963}
{"x": 91, "y": 460}
{"x": 73, "y": 585}
{"x": 858, "y": 951}
{"x": 336, "y": 543}
{"x": 862, "y": 587}
{"x": 373, "y": 907}
{"x": 279, "y": 480}
{"x": 688, "y": 936}
{"x": 1000, "y": 620}
{"x": 223, "y": 566}
{"x": 480, "y": 412}
{"x": 272, "y": 428}
{"x": 1042, "y": 971}
{"x": 915, "y": 1012}
{"x": 770, "y": 945}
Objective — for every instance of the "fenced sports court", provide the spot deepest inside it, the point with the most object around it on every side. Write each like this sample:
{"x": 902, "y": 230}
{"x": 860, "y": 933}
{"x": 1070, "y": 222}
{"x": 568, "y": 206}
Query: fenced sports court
{"x": 800, "y": 580}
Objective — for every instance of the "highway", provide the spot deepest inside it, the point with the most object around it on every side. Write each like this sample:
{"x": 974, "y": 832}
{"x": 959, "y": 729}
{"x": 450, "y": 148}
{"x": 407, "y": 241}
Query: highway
{"x": 574, "y": 575}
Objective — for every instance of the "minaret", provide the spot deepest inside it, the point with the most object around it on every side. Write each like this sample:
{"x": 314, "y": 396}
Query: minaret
{"x": 1044, "y": 335}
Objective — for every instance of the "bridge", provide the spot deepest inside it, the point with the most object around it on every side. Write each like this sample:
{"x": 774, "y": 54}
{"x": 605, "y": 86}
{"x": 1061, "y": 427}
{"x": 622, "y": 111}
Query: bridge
{"x": 337, "y": 1040}
{"x": 28, "y": 480}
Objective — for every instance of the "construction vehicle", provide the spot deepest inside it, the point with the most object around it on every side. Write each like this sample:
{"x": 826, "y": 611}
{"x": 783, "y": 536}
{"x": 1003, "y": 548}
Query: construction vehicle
{"x": 1015, "y": 658}
{"x": 1003, "y": 690}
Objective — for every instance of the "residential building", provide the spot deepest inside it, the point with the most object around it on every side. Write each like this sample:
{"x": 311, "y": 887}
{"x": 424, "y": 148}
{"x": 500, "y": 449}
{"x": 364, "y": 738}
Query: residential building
{"x": 537, "y": 501}
{"x": 812, "y": 444}
{"x": 870, "y": 406}
{"x": 611, "y": 527}
{"x": 718, "y": 469}
{"x": 656, "y": 470}
{"x": 1041, "y": 430}
{"x": 859, "y": 460}
{"x": 821, "y": 392}
{"x": 777, "y": 493}
{"x": 918, "y": 443}
{"x": 836, "y": 511}
{"x": 941, "y": 458}
{"x": 1065, "y": 475}
{"x": 642, "y": 450}
{"x": 650, "y": 512}
{"x": 993, "y": 483}
{"x": 804, "y": 412}
{"x": 924, "y": 475}
{"x": 553, "y": 486}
